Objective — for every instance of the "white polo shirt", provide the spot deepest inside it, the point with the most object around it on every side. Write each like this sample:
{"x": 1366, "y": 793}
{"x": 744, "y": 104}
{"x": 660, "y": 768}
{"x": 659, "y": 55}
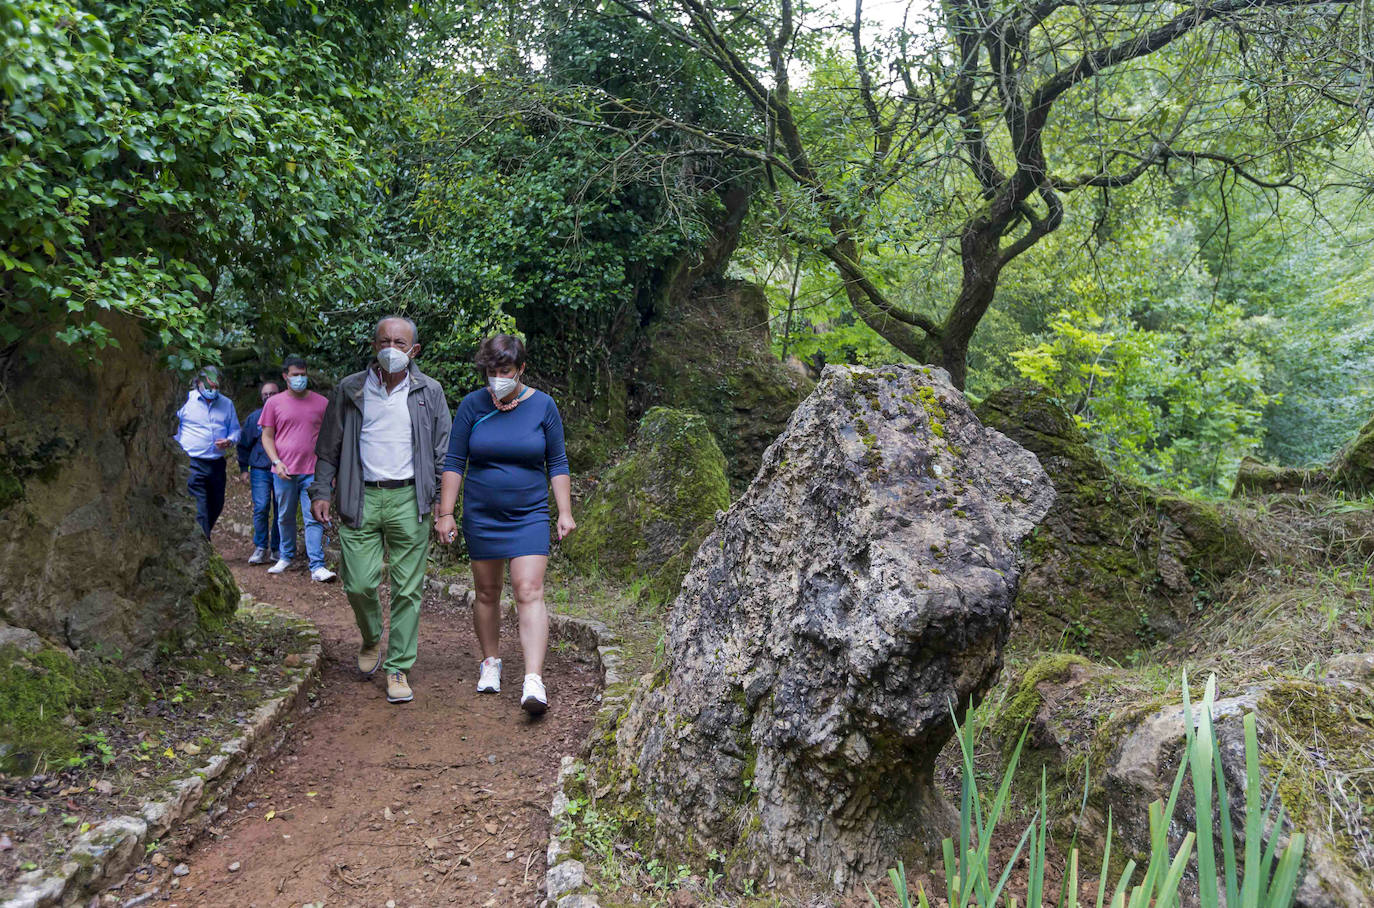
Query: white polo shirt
{"x": 385, "y": 445}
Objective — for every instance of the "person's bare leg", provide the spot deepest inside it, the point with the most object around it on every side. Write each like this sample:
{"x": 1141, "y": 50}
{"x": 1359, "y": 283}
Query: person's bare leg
{"x": 527, "y": 582}
{"x": 486, "y": 610}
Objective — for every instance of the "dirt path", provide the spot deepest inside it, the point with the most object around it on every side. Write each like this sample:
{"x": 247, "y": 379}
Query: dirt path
{"x": 442, "y": 801}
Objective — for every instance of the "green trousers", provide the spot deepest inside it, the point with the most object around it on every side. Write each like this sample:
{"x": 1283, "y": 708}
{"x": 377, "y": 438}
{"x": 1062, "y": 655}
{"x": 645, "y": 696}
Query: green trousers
{"x": 390, "y": 524}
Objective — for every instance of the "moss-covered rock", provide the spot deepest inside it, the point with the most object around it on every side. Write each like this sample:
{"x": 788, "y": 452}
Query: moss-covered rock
{"x": 1121, "y": 732}
{"x": 1115, "y": 566}
{"x": 646, "y": 507}
{"x": 1351, "y": 472}
{"x": 710, "y": 353}
{"x": 102, "y": 552}
{"x": 664, "y": 583}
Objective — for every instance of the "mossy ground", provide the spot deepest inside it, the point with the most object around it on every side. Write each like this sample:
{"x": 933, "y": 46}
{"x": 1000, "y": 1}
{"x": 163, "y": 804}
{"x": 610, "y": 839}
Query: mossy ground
{"x": 87, "y": 742}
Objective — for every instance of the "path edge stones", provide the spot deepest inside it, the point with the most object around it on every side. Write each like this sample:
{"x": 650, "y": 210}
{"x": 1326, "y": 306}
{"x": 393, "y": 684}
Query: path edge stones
{"x": 113, "y": 848}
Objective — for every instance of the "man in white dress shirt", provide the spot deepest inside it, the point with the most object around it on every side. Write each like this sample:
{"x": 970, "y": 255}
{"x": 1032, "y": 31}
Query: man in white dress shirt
{"x": 379, "y": 456}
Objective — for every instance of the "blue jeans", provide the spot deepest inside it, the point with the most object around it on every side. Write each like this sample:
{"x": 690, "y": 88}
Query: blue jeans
{"x": 289, "y": 493}
{"x": 266, "y": 533}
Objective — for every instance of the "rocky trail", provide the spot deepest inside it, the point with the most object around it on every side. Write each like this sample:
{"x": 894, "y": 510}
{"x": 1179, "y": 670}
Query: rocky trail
{"x": 441, "y": 801}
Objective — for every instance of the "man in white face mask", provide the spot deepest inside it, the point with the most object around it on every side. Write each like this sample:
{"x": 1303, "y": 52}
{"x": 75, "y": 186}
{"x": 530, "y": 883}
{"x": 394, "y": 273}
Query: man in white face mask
{"x": 207, "y": 426}
{"x": 379, "y": 456}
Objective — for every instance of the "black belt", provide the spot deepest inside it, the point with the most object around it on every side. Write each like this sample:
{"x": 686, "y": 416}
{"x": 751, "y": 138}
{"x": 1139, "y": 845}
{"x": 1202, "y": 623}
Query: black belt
{"x": 390, "y": 483}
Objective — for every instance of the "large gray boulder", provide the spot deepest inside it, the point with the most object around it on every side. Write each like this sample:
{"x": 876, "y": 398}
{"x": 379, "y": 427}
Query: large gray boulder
{"x": 861, "y": 587}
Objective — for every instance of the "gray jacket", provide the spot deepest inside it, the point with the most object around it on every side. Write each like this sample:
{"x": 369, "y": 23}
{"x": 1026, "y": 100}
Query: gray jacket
{"x": 339, "y": 472}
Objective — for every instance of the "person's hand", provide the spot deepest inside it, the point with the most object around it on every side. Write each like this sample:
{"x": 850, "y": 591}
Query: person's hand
{"x": 280, "y": 469}
{"x": 446, "y": 528}
{"x": 223, "y": 443}
{"x": 566, "y": 525}
{"x": 243, "y": 477}
{"x": 320, "y": 511}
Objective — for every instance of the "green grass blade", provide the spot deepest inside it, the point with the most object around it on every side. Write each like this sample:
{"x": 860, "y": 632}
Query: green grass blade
{"x": 1106, "y": 863}
{"x": 1200, "y": 751}
{"x": 1286, "y": 876}
{"x": 898, "y": 878}
{"x": 951, "y": 871}
{"x": 1254, "y": 823}
{"x": 1119, "y": 896}
{"x": 1035, "y": 884}
{"x": 1228, "y": 837}
{"x": 1169, "y": 889}
{"x": 979, "y": 872}
{"x": 1159, "y": 849}
{"x": 1071, "y": 882}
{"x": 1267, "y": 861}
{"x": 970, "y": 813}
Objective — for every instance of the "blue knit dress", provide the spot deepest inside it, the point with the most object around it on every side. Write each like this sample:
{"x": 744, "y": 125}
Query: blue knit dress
{"x": 508, "y": 458}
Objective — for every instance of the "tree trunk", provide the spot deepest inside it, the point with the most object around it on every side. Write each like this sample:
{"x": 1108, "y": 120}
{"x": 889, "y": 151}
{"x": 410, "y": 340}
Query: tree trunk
{"x": 980, "y": 250}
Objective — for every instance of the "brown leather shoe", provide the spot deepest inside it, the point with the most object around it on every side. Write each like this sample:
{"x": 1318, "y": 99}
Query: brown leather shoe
{"x": 397, "y": 689}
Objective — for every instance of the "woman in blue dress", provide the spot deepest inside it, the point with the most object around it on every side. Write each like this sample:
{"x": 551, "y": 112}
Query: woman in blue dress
{"x": 505, "y": 450}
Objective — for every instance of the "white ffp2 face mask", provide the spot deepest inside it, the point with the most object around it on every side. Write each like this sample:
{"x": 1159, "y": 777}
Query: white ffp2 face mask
{"x": 393, "y": 360}
{"x": 502, "y": 386}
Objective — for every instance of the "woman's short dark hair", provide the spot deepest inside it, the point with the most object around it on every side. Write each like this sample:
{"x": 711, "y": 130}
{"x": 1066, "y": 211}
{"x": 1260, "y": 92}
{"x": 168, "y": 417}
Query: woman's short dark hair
{"x": 499, "y": 351}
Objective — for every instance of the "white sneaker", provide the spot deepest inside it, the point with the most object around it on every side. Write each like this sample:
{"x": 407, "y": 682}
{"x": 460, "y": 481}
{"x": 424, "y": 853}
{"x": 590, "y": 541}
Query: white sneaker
{"x": 490, "y": 681}
{"x": 322, "y": 575}
{"x": 281, "y": 565}
{"x": 258, "y": 557}
{"x": 534, "y": 700}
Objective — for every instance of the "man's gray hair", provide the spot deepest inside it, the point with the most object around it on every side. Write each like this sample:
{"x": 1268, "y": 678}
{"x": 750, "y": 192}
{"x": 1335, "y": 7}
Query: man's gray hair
{"x": 414, "y": 331}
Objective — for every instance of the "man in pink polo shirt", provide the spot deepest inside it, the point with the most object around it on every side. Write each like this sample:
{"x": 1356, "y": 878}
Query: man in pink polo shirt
{"x": 290, "y": 424}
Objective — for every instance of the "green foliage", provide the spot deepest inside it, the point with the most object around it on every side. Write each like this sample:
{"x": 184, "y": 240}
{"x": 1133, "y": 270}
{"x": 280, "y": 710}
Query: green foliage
{"x": 178, "y": 162}
{"x": 1262, "y": 876}
{"x": 511, "y": 198}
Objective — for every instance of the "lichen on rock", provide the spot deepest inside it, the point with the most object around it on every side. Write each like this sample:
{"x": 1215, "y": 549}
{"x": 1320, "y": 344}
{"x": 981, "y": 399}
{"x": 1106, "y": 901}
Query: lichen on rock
{"x": 857, "y": 593}
{"x": 647, "y": 506}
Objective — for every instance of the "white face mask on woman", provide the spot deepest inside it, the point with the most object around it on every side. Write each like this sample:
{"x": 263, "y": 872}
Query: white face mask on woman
{"x": 502, "y": 386}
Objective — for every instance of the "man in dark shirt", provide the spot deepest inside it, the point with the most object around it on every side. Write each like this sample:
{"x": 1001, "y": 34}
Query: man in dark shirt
{"x": 255, "y": 468}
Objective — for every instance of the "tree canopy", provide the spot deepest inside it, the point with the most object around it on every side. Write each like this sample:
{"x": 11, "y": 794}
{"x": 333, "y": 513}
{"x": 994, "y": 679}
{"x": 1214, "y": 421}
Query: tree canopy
{"x": 968, "y": 128}
{"x": 174, "y": 160}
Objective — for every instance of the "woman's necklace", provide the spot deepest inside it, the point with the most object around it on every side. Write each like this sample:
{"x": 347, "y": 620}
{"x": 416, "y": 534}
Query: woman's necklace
{"x": 519, "y": 392}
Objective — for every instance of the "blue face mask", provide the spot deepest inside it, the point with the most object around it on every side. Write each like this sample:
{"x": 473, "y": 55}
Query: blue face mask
{"x": 297, "y": 382}
{"x": 210, "y": 395}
